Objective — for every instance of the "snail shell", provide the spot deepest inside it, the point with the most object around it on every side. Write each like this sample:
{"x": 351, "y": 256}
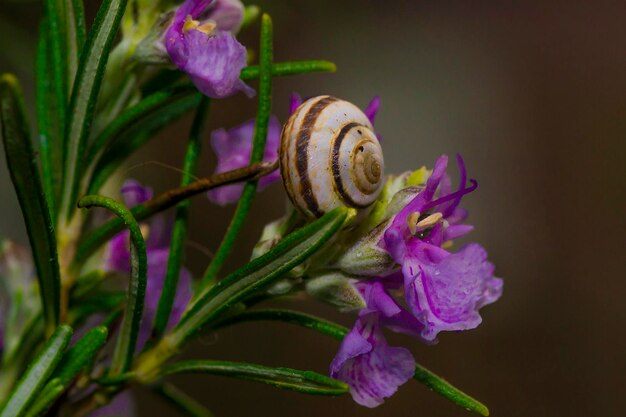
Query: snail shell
{"x": 329, "y": 157}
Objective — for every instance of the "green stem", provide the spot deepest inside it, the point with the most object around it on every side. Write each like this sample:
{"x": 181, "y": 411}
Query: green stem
{"x": 182, "y": 401}
{"x": 179, "y": 231}
{"x": 258, "y": 148}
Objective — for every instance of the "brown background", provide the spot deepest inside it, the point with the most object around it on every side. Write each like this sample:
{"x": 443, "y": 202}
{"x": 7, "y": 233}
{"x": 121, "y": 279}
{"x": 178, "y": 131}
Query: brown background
{"x": 533, "y": 94}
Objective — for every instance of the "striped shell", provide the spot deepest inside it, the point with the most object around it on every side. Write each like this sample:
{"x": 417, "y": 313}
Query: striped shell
{"x": 329, "y": 157}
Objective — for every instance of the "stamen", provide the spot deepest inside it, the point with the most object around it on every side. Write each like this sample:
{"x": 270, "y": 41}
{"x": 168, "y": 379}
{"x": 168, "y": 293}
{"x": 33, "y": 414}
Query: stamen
{"x": 207, "y": 27}
{"x": 412, "y": 221}
{"x": 145, "y": 230}
{"x": 190, "y": 24}
{"x": 429, "y": 221}
{"x": 451, "y": 196}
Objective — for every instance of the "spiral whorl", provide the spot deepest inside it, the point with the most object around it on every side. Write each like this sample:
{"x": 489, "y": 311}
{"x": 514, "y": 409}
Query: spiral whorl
{"x": 330, "y": 156}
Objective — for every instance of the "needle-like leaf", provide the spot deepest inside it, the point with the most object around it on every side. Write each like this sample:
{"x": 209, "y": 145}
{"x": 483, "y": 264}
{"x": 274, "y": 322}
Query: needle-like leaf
{"x": 135, "y": 296}
{"x": 91, "y": 66}
{"x": 37, "y": 373}
{"x": 307, "y": 382}
{"x": 25, "y": 176}
{"x": 179, "y": 231}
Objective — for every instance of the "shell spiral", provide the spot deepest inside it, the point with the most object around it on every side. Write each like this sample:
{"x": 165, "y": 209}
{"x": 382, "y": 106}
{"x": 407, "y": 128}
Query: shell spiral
{"x": 329, "y": 157}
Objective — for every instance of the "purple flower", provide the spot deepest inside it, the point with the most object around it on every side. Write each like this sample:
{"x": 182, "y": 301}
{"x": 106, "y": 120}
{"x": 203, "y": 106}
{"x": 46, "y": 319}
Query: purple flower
{"x": 157, "y": 247}
{"x": 373, "y": 369}
{"x": 227, "y": 14}
{"x": 443, "y": 290}
{"x": 206, "y": 50}
{"x": 233, "y": 149}
{"x": 372, "y": 109}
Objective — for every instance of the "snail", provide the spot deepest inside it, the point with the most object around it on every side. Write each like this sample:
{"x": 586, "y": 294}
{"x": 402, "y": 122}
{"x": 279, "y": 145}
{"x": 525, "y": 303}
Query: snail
{"x": 329, "y": 156}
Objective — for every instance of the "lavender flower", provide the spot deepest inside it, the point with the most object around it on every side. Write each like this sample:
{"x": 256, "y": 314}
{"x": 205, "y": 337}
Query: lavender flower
{"x": 206, "y": 50}
{"x": 157, "y": 248}
{"x": 373, "y": 369}
{"x": 233, "y": 149}
{"x": 443, "y": 290}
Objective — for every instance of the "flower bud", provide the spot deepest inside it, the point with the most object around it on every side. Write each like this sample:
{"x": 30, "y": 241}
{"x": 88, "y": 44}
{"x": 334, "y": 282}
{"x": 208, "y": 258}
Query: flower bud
{"x": 366, "y": 257}
{"x": 336, "y": 289}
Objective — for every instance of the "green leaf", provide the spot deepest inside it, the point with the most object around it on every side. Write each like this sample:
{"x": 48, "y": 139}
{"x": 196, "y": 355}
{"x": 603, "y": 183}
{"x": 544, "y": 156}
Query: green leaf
{"x": 129, "y": 329}
{"x": 46, "y": 399}
{"x": 50, "y": 135}
{"x": 73, "y": 362}
{"x": 93, "y": 60}
{"x": 179, "y": 231}
{"x": 288, "y": 316}
{"x": 75, "y": 34}
{"x": 136, "y": 116}
{"x": 80, "y": 354}
{"x": 307, "y": 382}
{"x": 182, "y": 401}
{"x": 247, "y": 280}
{"x": 260, "y": 272}
{"x": 37, "y": 373}
{"x": 258, "y": 148}
{"x": 281, "y": 69}
{"x": 447, "y": 390}
{"x": 423, "y": 375}
{"x": 25, "y": 176}
{"x": 58, "y": 55}
{"x": 136, "y": 126}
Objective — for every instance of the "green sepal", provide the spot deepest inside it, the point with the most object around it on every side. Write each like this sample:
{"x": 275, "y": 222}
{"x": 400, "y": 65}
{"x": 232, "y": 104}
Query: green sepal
{"x": 307, "y": 382}
{"x": 37, "y": 374}
{"x": 27, "y": 183}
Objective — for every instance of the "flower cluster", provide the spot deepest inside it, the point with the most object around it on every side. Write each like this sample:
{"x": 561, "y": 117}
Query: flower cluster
{"x": 443, "y": 290}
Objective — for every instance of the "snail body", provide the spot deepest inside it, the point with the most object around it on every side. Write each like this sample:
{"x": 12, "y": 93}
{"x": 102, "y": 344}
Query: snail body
{"x": 329, "y": 156}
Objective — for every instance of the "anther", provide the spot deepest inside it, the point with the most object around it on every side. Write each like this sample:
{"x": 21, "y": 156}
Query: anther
{"x": 411, "y": 221}
{"x": 429, "y": 221}
{"x": 207, "y": 27}
{"x": 190, "y": 24}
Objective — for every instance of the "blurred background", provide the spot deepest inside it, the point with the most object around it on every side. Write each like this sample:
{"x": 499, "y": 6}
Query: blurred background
{"x": 533, "y": 94}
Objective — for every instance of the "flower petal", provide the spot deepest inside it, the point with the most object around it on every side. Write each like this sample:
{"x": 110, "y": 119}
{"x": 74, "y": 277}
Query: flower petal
{"x": 227, "y": 14}
{"x": 446, "y": 295}
{"x": 373, "y": 369}
{"x": 233, "y": 149}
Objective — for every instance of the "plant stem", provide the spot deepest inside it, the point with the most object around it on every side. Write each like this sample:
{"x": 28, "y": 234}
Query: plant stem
{"x": 166, "y": 200}
{"x": 258, "y": 148}
{"x": 179, "y": 231}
